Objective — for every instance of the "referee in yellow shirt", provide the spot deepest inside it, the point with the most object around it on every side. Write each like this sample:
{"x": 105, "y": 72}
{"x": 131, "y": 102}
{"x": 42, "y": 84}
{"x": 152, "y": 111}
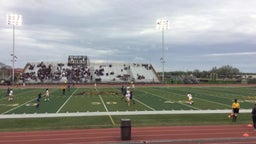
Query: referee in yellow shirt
{"x": 235, "y": 109}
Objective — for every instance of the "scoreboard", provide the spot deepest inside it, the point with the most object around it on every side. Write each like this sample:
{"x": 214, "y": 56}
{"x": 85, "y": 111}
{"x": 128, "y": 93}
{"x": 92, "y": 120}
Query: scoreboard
{"x": 77, "y": 60}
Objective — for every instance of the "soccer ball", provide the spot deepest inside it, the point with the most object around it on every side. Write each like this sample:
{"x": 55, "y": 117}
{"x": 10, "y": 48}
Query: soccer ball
{"x": 230, "y": 115}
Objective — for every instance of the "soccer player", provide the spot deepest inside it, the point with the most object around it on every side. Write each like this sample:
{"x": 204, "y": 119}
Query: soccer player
{"x": 10, "y": 96}
{"x": 95, "y": 85}
{"x": 132, "y": 85}
{"x": 128, "y": 95}
{"x": 38, "y": 100}
{"x": 47, "y": 95}
{"x": 131, "y": 97}
{"x": 68, "y": 87}
{"x": 123, "y": 91}
{"x": 235, "y": 110}
{"x": 189, "y": 95}
{"x": 8, "y": 91}
{"x": 63, "y": 89}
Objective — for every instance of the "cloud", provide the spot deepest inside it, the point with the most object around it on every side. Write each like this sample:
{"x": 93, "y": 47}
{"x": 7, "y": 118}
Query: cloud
{"x": 231, "y": 54}
{"x": 117, "y": 30}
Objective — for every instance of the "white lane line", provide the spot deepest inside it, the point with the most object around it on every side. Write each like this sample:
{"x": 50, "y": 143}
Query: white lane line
{"x": 66, "y": 101}
{"x": 49, "y": 115}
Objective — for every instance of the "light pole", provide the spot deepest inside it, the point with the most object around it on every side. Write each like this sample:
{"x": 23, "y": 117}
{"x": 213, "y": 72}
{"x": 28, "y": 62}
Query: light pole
{"x": 162, "y": 24}
{"x": 14, "y": 20}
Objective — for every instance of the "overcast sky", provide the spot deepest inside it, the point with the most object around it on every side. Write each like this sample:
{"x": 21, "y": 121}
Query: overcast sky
{"x": 203, "y": 33}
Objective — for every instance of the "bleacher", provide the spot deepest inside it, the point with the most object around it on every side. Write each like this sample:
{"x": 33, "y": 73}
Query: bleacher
{"x": 54, "y": 72}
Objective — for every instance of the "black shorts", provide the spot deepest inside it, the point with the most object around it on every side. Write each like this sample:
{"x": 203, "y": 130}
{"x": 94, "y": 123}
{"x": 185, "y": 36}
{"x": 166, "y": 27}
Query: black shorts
{"x": 236, "y": 110}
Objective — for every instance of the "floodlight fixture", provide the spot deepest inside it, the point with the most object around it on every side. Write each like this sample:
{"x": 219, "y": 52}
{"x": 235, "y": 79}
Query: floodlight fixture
{"x": 162, "y": 24}
{"x": 14, "y": 20}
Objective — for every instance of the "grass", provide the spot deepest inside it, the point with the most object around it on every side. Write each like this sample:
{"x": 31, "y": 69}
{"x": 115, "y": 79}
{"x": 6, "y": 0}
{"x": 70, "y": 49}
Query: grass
{"x": 87, "y": 99}
{"x": 104, "y": 122}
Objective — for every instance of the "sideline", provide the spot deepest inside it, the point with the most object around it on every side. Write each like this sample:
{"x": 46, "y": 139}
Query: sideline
{"x": 80, "y": 114}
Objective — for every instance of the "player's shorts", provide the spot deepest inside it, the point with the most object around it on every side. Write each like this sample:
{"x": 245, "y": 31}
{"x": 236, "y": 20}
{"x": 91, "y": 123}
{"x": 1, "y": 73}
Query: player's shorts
{"x": 236, "y": 110}
{"x": 128, "y": 98}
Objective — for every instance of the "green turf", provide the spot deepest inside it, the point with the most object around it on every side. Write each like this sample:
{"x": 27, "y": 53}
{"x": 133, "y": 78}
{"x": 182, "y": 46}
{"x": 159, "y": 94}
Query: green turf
{"x": 104, "y": 122}
{"x": 109, "y": 99}
{"x": 88, "y": 99}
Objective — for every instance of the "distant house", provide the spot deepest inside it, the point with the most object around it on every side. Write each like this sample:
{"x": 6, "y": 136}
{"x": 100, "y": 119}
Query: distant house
{"x": 249, "y": 76}
{"x": 18, "y": 70}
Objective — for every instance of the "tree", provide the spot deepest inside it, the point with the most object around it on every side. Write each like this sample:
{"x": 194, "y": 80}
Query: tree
{"x": 228, "y": 71}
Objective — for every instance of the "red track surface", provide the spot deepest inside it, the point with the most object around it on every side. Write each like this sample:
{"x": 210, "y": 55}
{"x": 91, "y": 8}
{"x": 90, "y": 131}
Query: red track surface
{"x": 223, "y": 134}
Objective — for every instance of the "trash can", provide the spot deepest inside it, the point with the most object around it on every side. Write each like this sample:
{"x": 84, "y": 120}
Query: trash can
{"x": 125, "y": 129}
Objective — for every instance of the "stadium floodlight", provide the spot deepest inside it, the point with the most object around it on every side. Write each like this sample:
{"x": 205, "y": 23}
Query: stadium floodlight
{"x": 14, "y": 20}
{"x": 162, "y": 24}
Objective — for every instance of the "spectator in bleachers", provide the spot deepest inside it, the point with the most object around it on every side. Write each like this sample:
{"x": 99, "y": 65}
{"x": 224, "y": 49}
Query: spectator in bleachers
{"x": 140, "y": 77}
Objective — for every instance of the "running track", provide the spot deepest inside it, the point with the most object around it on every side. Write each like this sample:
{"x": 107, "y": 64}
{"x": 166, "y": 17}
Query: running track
{"x": 218, "y": 134}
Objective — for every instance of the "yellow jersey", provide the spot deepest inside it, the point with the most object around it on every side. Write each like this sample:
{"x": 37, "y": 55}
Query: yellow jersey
{"x": 235, "y": 105}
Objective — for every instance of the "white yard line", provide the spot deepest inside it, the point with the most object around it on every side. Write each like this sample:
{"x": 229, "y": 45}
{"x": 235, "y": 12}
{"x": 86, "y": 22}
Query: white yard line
{"x": 171, "y": 100}
{"x": 18, "y": 106}
{"x": 144, "y": 104}
{"x": 110, "y": 117}
{"x": 66, "y": 101}
{"x": 103, "y": 103}
{"x": 213, "y": 102}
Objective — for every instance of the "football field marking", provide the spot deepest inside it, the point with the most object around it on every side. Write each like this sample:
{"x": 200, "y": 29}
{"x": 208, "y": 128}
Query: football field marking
{"x": 144, "y": 104}
{"x": 107, "y": 110}
{"x": 66, "y": 101}
{"x": 18, "y": 106}
{"x": 213, "y": 102}
{"x": 110, "y": 117}
{"x": 50, "y": 115}
{"x": 167, "y": 99}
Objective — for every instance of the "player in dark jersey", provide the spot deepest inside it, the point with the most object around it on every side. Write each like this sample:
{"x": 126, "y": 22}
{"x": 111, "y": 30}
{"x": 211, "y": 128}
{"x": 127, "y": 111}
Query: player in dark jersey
{"x": 131, "y": 97}
{"x": 38, "y": 100}
{"x": 123, "y": 91}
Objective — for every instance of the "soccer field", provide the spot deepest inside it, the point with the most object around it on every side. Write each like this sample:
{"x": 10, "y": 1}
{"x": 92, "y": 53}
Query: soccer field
{"x": 109, "y": 99}
{"x": 101, "y": 107}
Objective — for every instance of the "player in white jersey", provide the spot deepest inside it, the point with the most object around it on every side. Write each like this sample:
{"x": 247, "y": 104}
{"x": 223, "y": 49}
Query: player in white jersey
{"x": 190, "y": 98}
{"x": 127, "y": 95}
{"x": 10, "y": 96}
{"x": 47, "y": 95}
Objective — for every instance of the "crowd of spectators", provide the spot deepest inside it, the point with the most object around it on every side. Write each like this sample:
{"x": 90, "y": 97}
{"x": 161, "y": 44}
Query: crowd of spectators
{"x": 47, "y": 72}
{"x": 100, "y": 71}
{"x": 44, "y": 71}
{"x": 27, "y": 76}
{"x": 140, "y": 77}
{"x": 78, "y": 74}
